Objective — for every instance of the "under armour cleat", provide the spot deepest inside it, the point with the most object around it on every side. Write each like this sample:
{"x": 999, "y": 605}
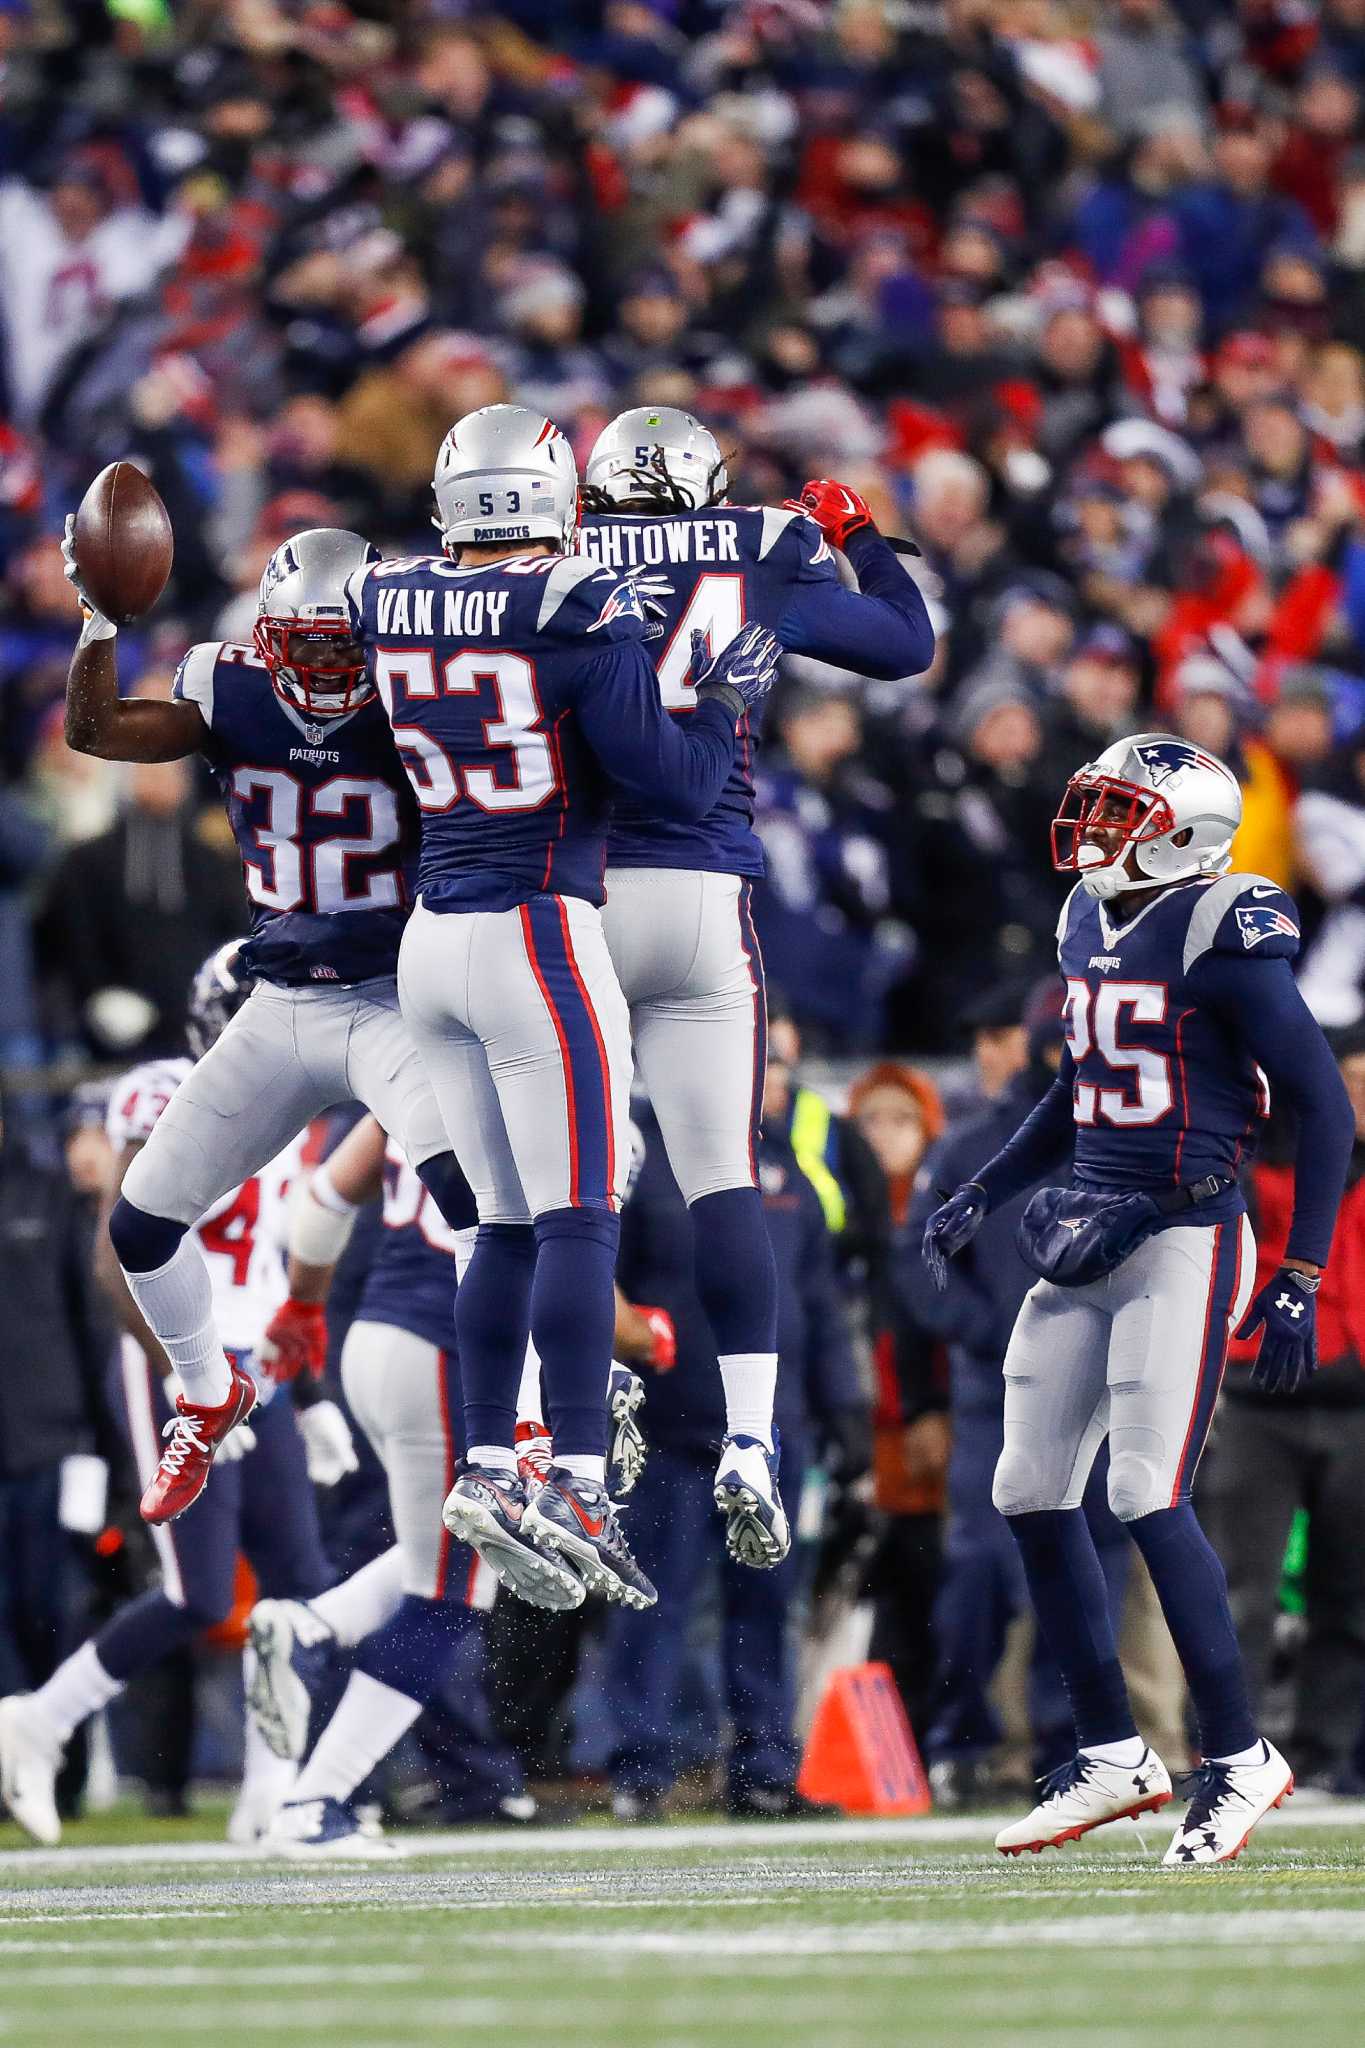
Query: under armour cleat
{"x": 1229, "y": 1799}
{"x": 30, "y": 1758}
{"x": 627, "y": 1450}
{"x": 291, "y": 1645}
{"x": 574, "y": 1519}
{"x": 488, "y": 1511}
{"x": 325, "y": 1830}
{"x": 535, "y": 1455}
{"x": 1084, "y": 1794}
{"x": 194, "y": 1436}
{"x": 756, "y": 1528}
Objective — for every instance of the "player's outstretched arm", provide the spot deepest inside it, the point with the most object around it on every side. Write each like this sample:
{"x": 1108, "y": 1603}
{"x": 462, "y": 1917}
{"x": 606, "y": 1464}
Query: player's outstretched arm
{"x": 98, "y": 720}
{"x": 322, "y": 1212}
{"x": 1042, "y": 1141}
{"x": 678, "y": 766}
{"x": 882, "y": 629}
{"x": 114, "y": 728}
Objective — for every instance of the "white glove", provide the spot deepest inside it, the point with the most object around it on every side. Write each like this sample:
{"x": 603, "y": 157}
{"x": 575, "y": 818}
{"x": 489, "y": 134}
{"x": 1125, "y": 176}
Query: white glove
{"x": 96, "y": 626}
{"x": 653, "y": 591}
{"x": 327, "y": 1443}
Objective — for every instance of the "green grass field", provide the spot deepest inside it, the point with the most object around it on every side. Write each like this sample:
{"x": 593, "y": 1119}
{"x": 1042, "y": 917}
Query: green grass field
{"x": 817, "y": 1936}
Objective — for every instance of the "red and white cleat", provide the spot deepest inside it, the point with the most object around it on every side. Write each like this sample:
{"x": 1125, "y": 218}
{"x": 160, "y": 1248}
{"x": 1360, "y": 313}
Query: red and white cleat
{"x": 193, "y": 1438}
{"x": 1084, "y": 1794}
{"x": 535, "y": 1455}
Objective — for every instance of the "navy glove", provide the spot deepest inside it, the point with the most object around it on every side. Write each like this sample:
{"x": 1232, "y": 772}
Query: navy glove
{"x": 742, "y": 674}
{"x": 951, "y": 1227}
{"x": 1287, "y": 1309}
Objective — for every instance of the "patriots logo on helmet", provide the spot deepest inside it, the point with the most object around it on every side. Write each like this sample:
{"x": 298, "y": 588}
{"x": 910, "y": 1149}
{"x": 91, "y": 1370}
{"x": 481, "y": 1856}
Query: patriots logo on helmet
{"x": 1264, "y": 923}
{"x": 623, "y": 603}
{"x": 1164, "y": 759}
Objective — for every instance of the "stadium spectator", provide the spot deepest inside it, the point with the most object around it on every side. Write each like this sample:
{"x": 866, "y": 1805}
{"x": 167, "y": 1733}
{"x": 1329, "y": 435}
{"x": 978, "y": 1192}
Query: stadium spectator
{"x": 1278, "y": 1452}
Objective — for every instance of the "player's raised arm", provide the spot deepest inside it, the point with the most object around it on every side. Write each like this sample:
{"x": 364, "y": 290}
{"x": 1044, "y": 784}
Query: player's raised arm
{"x": 98, "y": 720}
{"x": 882, "y": 629}
{"x": 679, "y": 767}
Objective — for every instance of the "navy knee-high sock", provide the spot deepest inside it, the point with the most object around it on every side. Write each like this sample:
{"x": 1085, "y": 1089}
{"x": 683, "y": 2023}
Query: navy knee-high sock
{"x": 1193, "y": 1590}
{"x": 417, "y": 1647}
{"x": 573, "y": 1321}
{"x": 492, "y": 1319}
{"x": 143, "y": 1632}
{"x": 735, "y": 1271}
{"x": 1066, "y": 1586}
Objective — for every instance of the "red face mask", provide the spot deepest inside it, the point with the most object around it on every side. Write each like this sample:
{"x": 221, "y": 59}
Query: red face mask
{"x": 290, "y": 648}
{"x": 1105, "y": 812}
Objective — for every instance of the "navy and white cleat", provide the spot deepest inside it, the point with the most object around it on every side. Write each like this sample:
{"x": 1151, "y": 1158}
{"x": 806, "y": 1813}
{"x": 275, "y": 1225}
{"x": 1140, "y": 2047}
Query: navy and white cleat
{"x": 1084, "y": 1794}
{"x": 325, "y": 1830}
{"x": 1229, "y": 1800}
{"x": 627, "y": 1450}
{"x": 574, "y": 1519}
{"x": 756, "y": 1529}
{"x": 291, "y": 1644}
{"x": 488, "y": 1511}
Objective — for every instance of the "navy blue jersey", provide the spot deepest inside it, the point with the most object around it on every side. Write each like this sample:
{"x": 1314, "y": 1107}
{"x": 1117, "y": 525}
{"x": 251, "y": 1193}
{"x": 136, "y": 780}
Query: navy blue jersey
{"x": 323, "y": 819}
{"x": 411, "y": 1281}
{"x": 1165, "y": 1090}
{"x": 521, "y": 697}
{"x": 728, "y": 565}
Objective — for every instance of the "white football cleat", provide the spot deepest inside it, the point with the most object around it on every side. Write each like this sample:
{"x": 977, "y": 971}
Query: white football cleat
{"x": 1229, "y": 1799}
{"x": 1084, "y": 1794}
{"x": 757, "y": 1532}
{"x": 278, "y": 1698}
{"x": 254, "y": 1810}
{"x": 29, "y": 1764}
{"x": 325, "y": 1831}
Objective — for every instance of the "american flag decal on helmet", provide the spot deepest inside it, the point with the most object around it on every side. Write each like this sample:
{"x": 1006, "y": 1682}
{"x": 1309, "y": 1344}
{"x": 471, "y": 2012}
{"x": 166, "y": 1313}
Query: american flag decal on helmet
{"x": 1264, "y": 922}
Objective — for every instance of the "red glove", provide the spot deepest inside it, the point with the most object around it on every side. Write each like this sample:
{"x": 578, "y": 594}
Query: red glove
{"x": 664, "y": 1355}
{"x": 836, "y": 510}
{"x": 295, "y": 1342}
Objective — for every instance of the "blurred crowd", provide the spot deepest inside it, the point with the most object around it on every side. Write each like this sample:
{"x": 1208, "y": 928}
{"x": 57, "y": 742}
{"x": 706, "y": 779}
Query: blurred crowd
{"x": 1071, "y": 290}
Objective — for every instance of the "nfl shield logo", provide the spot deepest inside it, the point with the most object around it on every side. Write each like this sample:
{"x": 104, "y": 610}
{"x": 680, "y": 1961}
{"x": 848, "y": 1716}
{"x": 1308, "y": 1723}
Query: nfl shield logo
{"x": 314, "y": 735}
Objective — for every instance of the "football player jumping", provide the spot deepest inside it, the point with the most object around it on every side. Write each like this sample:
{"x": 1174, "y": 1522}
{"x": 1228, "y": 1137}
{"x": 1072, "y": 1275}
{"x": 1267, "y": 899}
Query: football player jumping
{"x": 522, "y": 698}
{"x": 1180, "y": 1002}
{"x": 326, "y": 828}
{"x": 677, "y": 915}
{"x": 263, "y": 1505}
{"x": 402, "y": 1382}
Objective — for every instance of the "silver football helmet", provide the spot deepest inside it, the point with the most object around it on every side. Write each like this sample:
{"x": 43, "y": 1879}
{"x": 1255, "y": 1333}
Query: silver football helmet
{"x": 1155, "y": 796}
{"x": 505, "y": 473}
{"x": 303, "y": 631}
{"x": 657, "y": 452}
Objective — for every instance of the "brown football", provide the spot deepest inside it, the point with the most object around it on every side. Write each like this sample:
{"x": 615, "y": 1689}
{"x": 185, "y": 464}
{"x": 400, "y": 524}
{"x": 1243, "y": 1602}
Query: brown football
{"x": 124, "y": 544}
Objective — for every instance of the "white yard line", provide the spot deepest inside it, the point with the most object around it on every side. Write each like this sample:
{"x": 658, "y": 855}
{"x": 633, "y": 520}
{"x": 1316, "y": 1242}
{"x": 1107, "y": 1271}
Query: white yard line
{"x": 656, "y": 1842}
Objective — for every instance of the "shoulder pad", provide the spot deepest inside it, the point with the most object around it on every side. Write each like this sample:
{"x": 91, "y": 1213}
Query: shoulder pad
{"x": 1064, "y": 921}
{"x": 581, "y": 598}
{"x": 193, "y": 682}
{"x": 805, "y": 550}
{"x": 354, "y": 589}
{"x": 1242, "y": 914}
{"x": 139, "y": 1099}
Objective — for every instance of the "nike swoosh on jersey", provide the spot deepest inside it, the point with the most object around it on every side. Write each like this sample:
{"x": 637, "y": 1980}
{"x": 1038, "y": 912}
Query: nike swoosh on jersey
{"x": 1265, "y": 892}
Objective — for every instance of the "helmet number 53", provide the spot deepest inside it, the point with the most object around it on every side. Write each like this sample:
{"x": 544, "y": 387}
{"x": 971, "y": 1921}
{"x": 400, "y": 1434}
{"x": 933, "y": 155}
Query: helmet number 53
{"x": 1094, "y": 1024}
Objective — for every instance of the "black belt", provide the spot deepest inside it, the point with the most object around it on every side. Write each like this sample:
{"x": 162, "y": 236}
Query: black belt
{"x": 1171, "y": 1200}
